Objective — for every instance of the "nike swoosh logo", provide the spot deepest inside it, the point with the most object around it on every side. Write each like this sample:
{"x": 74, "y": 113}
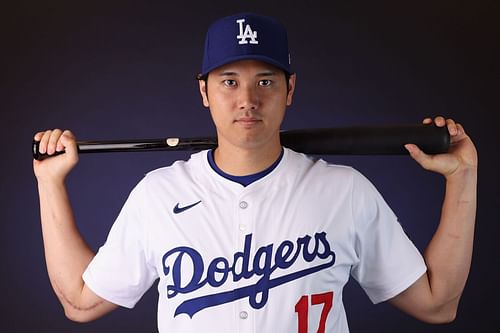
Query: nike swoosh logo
{"x": 178, "y": 209}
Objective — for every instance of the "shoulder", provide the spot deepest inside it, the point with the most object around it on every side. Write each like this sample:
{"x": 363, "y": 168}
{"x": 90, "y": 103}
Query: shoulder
{"x": 308, "y": 165}
{"x": 194, "y": 162}
{"x": 180, "y": 171}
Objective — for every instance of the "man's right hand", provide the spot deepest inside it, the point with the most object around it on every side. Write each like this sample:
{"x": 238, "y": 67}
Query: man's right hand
{"x": 55, "y": 168}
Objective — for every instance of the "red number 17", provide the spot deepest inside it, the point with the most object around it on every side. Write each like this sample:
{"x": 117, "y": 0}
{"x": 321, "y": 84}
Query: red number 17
{"x": 302, "y": 309}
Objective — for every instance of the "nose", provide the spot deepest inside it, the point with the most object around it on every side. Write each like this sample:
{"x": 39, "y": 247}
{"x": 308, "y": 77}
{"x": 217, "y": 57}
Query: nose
{"x": 248, "y": 98}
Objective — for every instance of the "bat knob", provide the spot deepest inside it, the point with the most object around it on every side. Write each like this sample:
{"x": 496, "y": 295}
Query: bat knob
{"x": 35, "y": 146}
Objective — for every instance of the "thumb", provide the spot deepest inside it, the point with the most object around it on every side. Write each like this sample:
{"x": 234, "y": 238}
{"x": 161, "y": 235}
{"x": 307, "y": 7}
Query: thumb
{"x": 418, "y": 155}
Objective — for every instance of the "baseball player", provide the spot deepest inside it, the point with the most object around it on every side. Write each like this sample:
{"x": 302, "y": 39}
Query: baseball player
{"x": 252, "y": 236}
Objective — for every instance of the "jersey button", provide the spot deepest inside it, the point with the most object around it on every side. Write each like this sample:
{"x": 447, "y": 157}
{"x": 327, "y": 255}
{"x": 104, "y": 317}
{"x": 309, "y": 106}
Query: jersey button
{"x": 243, "y": 204}
{"x": 243, "y": 227}
{"x": 243, "y": 315}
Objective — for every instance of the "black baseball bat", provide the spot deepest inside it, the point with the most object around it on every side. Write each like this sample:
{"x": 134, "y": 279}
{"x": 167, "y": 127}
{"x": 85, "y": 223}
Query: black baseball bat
{"x": 357, "y": 140}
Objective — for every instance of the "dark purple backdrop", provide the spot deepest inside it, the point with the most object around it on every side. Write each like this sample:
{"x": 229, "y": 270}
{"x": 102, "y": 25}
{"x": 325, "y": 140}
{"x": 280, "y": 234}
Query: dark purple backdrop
{"x": 126, "y": 70}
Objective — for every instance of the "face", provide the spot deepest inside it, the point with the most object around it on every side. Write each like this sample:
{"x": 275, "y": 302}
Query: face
{"x": 247, "y": 101}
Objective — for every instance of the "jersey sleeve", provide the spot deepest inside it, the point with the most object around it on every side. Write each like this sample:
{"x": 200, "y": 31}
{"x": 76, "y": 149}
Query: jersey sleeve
{"x": 120, "y": 271}
{"x": 388, "y": 261}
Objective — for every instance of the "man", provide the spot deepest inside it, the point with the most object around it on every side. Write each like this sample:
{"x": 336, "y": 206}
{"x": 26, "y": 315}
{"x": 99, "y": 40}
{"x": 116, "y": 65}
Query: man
{"x": 253, "y": 236}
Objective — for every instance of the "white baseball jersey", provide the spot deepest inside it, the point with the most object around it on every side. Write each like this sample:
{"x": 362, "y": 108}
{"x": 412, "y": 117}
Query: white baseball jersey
{"x": 273, "y": 256}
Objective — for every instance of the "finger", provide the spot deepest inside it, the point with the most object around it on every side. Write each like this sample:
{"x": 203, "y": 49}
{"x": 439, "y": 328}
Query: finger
{"x": 44, "y": 141}
{"x": 440, "y": 121}
{"x": 38, "y": 136}
{"x": 460, "y": 134}
{"x": 427, "y": 121}
{"x": 54, "y": 138}
{"x": 452, "y": 127}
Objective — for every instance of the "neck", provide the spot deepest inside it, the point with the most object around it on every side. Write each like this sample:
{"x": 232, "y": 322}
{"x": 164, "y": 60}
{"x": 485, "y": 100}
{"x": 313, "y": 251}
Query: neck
{"x": 238, "y": 161}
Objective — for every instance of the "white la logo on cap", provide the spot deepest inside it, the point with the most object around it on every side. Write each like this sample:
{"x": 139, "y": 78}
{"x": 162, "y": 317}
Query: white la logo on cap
{"x": 248, "y": 33}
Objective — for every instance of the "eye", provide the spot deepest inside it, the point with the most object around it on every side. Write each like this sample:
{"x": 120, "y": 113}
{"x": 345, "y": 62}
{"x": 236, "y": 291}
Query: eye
{"x": 230, "y": 82}
{"x": 265, "y": 83}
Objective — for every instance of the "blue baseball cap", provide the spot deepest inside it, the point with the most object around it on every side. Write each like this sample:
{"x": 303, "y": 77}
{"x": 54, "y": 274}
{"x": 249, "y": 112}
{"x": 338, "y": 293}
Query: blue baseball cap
{"x": 246, "y": 36}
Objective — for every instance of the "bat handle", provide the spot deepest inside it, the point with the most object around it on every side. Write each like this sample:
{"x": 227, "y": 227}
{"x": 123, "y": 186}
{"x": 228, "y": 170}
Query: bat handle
{"x": 171, "y": 144}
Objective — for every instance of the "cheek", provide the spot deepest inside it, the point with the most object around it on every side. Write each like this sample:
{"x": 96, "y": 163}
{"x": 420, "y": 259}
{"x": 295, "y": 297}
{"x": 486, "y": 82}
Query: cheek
{"x": 219, "y": 106}
{"x": 220, "y": 112}
{"x": 279, "y": 105}
{"x": 280, "y": 116}
{"x": 217, "y": 98}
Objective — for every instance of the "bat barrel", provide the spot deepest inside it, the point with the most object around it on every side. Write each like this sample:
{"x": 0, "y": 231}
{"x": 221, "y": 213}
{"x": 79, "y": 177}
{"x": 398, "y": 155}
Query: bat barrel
{"x": 368, "y": 140}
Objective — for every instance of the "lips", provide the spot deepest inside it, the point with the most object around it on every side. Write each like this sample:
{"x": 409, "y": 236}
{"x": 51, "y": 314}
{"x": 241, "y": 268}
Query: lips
{"x": 247, "y": 121}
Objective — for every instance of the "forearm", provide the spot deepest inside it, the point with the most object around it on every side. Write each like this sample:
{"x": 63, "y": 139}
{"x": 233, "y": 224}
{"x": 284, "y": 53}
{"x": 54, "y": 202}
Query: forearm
{"x": 434, "y": 297}
{"x": 448, "y": 255}
{"x": 67, "y": 255}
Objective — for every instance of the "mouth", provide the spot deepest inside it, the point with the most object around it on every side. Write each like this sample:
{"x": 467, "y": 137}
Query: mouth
{"x": 247, "y": 121}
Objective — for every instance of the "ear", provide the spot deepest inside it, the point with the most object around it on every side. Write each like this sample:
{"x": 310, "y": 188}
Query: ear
{"x": 203, "y": 92}
{"x": 291, "y": 89}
